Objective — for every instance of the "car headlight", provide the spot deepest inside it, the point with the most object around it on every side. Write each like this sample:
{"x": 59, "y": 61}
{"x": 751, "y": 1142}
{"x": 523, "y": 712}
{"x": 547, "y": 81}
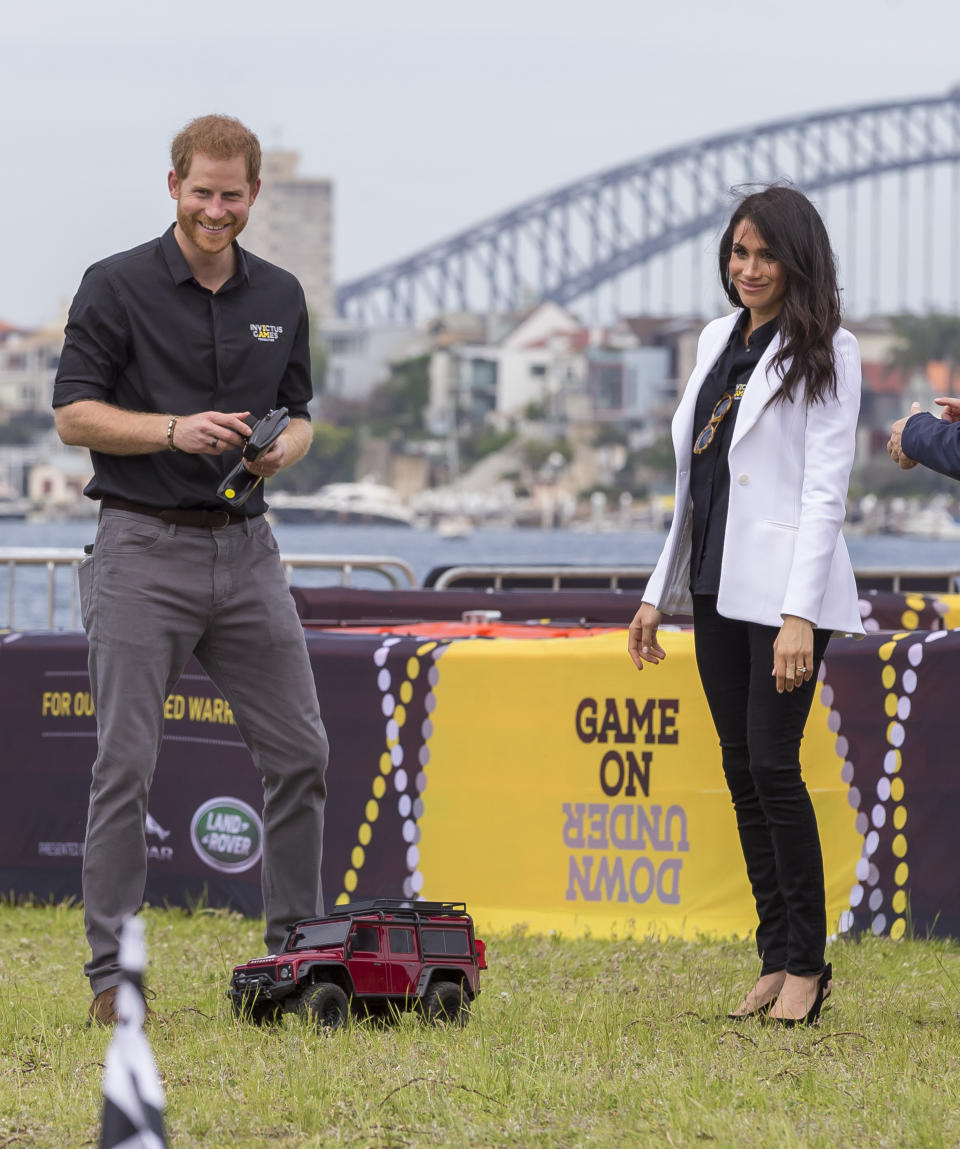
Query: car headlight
{"x": 285, "y": 972}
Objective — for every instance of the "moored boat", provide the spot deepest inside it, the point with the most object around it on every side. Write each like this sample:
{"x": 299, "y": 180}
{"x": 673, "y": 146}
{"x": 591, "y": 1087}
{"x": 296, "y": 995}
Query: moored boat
{"x": 362, "y": 502}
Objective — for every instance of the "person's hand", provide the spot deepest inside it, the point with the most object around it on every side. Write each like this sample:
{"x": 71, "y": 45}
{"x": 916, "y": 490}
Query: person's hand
{"x": 211, "y": 432}
{"x": 272, "y": 460}
{"x": 951, "y": 409}
{"x": 793, "y": 653}
{"x": 894, "y": 448}
{"x": 642, "y": 636}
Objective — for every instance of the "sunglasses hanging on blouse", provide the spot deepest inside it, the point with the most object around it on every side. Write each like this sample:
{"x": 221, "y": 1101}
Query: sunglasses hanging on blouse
{"x": 705, "y": 438}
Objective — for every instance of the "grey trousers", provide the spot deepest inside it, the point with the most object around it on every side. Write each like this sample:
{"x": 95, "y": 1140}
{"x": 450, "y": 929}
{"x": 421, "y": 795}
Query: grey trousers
{"x": 152, "y": 595}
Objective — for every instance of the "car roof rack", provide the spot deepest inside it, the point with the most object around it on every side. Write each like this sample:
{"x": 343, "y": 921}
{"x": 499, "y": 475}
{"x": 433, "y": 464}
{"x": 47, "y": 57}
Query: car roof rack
{"x": 398, "y": 906}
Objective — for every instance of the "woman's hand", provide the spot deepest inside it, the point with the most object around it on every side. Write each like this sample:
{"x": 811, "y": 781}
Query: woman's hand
{"x": 642, "y": 638}
{"x": 793, "y": 653}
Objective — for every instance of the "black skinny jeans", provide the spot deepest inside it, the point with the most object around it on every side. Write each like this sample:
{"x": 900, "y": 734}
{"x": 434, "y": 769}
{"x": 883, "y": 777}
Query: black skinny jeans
{"x": 760, "y": 733}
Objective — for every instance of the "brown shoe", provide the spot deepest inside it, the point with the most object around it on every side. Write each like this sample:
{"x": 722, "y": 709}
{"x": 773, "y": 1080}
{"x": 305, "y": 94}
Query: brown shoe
{"x": 103, "y": 1008}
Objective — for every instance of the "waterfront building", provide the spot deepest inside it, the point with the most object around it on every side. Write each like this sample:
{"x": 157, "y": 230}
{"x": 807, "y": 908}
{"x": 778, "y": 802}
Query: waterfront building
{"x": 28, "y": 363}
{"x": 357, "y": 357}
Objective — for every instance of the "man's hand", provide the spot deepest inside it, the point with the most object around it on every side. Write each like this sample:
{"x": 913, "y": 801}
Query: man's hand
{"x": 642, "y": 642}
{"x": 211, "y": 432}
{"x": 893, "y": 446}
{"x": 289, "y": 448}
{"x": 113, "y": 430}
{"x": 951, "y": 410}
{"x": 272, "y": 460}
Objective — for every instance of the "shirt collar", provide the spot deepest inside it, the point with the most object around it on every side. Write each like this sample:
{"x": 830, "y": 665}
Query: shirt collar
{"x": 180, "y": 269}
{"x": 761, "y": 336}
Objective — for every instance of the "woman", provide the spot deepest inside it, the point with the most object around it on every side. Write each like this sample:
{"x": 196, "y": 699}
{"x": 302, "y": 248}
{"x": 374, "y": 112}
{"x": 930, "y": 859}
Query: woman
{"x": 764, "y": 440}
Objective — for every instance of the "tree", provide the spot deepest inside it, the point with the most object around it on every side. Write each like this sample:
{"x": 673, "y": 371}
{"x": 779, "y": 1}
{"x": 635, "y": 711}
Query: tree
{"x": 318, "y": 357}
{"x": 925, "y": 339}
{"x": 399, "y": 403}
{"x": 332, "y": 458}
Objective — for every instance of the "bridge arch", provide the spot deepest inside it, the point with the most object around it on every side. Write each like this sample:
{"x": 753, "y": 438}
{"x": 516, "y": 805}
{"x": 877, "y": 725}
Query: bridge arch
{"x": 902, "y": 157}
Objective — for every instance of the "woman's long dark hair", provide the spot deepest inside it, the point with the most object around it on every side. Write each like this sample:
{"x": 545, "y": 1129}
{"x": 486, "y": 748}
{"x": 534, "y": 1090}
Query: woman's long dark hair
{"x": 792, "y": 229}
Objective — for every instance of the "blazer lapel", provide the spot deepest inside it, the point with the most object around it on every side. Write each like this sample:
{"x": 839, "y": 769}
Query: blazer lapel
{"x": 683, "y": 419}
{"x": 760, "y": 386}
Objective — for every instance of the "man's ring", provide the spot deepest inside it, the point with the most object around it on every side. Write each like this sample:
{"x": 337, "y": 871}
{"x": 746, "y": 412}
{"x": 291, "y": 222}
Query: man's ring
{"x": 214, "y": 443}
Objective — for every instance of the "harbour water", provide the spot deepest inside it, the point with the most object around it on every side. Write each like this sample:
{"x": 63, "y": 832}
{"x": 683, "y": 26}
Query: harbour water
{"x": 425, "y": 549}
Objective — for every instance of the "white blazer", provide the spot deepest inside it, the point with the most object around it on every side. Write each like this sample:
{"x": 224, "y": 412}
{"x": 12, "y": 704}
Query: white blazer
{"x": 783, "y": 552}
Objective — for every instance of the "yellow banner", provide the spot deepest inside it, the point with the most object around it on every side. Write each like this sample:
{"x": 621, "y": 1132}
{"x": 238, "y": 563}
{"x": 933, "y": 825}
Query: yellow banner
{"x": 951, "y": 618}
{"x": 571, "y": 793}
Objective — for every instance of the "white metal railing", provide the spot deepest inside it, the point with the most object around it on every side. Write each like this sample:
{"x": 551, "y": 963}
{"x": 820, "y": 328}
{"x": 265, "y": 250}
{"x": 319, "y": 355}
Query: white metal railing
{"x": 933, "y": 580}
{"x": 61, "y": 595}
{"x": 558, "y": 577}
{"x": 52, "y": 559}
{"x": 397, "y": 572}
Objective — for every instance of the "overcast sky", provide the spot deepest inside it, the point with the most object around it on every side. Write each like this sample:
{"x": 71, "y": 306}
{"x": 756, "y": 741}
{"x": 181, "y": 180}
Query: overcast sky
{"x": 427, "y": 114}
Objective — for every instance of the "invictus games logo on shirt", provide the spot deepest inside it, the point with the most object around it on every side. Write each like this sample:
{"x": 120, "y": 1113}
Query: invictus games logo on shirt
{"x": 265, "y": 332}
{"x": 227, "y": 834}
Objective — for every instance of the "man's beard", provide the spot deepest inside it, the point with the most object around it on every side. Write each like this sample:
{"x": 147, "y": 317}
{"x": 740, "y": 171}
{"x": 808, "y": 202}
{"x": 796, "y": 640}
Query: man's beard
{"x": 204, "y": 240}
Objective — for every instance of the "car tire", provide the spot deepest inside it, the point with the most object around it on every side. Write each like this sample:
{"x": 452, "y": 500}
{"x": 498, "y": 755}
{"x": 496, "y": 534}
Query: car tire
{"x": 446, "y": 1002}
{"x": 327, "y": 1005}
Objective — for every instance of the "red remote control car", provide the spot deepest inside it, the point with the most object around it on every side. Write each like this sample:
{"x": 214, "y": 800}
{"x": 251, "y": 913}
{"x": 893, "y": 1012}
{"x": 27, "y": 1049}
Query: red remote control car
{"x": 372, "y": 957}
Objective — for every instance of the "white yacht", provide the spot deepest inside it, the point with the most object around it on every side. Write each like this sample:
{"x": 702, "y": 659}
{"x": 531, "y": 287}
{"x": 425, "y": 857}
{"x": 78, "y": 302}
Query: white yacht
{"x": 363, "y": 502}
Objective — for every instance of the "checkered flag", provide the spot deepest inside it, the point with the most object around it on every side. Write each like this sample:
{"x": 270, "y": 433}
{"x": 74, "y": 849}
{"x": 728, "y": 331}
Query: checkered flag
{"x": 133, "y": 1099}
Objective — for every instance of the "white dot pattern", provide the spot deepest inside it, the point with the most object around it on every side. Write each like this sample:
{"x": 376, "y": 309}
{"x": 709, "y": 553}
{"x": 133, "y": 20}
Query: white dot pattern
{"x": 885, "y": 810}
{"x": 410, "y": 806}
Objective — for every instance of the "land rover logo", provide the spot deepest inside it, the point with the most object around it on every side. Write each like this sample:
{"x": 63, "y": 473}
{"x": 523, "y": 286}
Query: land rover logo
{"x": 227, "y": 834}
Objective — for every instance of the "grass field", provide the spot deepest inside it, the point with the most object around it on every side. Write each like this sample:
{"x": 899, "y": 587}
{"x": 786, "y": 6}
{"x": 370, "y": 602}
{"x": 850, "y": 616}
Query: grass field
{"x": 572, "y": 1043}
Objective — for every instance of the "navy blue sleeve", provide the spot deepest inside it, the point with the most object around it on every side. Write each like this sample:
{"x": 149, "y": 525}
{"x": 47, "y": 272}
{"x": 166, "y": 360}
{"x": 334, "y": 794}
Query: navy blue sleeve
{"x": 933, "y": 442}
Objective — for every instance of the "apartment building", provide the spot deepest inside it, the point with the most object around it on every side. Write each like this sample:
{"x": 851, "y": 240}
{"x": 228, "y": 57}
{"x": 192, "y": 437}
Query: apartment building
{"x": 291, "y": 225}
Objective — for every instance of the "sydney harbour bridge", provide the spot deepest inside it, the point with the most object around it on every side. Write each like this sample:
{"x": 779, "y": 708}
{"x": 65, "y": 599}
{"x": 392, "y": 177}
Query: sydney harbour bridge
{"x": 641, "y": 237}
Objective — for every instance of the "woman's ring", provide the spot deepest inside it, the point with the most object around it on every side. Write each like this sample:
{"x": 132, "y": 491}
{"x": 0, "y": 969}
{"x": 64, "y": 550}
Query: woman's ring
{"x": 801, "y": 669}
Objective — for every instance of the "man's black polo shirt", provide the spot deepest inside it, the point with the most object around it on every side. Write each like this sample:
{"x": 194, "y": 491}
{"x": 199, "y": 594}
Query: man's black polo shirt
{"x": 710, "y": 471}
{"x": 142, "y": 334}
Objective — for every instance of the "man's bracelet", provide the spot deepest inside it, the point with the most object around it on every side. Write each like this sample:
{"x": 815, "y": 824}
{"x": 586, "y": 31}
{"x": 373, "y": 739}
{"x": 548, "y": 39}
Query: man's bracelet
{"x": 171, "y": 427}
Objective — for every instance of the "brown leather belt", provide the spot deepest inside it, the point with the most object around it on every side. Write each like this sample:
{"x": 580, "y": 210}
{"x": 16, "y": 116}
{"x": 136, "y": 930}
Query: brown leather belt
{"x": 212, "y": 520}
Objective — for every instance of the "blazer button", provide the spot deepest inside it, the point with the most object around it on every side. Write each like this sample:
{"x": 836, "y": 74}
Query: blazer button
{"x": 743, "y": 480}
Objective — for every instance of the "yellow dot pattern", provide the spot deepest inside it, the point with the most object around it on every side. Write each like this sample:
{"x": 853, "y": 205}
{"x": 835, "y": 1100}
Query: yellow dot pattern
{"x": 395, "y": 720}
{"x": 890, "y": 789}
{"x": 910, "y": 619}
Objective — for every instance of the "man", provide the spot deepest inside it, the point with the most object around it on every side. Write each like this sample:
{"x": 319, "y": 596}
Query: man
{"x": 922, "y": 438}
{"x": 170, "y": 347}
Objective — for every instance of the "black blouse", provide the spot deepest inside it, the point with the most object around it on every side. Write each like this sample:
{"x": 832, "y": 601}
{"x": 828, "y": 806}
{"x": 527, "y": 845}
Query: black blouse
{"x": 709, "y": 472}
